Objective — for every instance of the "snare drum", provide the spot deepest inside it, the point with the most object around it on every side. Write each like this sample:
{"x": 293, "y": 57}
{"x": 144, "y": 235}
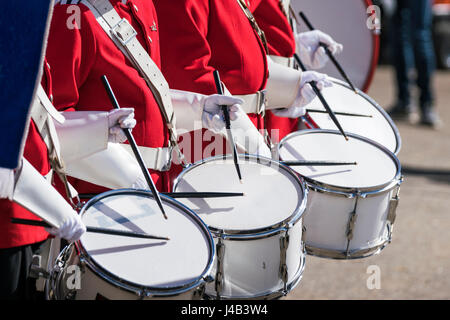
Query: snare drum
{"x": 379, "y": 127}
{"x": 112, "y": 267}
{"x": 351, "y": 208}
{"x": 258, "y": 236}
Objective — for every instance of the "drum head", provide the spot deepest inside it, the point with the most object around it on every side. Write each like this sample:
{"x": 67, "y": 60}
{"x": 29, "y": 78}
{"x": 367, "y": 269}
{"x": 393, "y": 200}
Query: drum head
{"x": 379, "y": 127}
{"x": 346, "y": 22}
{"x": 273, "y": 194}
{"x": 376, "y": 166}
{"x": 158, "y": 264}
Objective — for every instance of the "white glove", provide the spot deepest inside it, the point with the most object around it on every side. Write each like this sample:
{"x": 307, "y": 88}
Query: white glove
{"x": 305, "y": 94}
{"x": 72, "y": 229}
{"x": 292, "y": 112}
{"x": 311, "y": 53}
{"x": 212, "y": 117}
{"x": 119, "y": 119}
{"x": 140, "y": 183}
{"x": 6, "y": 183}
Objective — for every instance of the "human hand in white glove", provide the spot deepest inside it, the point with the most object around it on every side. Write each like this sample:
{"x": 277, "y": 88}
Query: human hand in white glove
{"x": 140, "y": 183}
{"x": 311, "y": 53}
{"x": 119, "y": 119}
{"x": 212, "y": 117}
{"x": 6, "y": 183}
{"x": 72, "y": 229}
{"x": 305, "y": 94}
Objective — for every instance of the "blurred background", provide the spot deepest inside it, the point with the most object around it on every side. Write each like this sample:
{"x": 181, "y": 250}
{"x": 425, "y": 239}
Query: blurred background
{"x": 440, "y": 31}
{"x": 416, "y": 265}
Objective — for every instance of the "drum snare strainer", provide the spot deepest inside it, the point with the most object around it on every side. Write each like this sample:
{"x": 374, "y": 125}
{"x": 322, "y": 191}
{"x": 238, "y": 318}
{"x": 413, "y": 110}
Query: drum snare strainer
{"x": 351, "y": 208}
{"x": 259, "y": 244}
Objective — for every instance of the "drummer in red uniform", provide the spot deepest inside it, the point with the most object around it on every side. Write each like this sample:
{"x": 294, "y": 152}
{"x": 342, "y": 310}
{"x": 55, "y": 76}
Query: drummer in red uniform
{"x": 199, "y": 36}
{"x": 276, "y": 20}
{"x": 80, "y": 52}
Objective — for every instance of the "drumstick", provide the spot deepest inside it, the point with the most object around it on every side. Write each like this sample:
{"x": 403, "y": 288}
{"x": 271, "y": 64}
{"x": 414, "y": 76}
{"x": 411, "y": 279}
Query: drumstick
{"x": 329, "y": 54}
{"x": 228, "y": 125}
{"x": 341, "y": 113}
{"x": 184, "y": 195}
{"x": 317, "y": 163}
{"x": 205, "y": 195}
{"x": 131, "y": 234}
{"x": 322, "y": 99}
{"x": 135, "y": 148}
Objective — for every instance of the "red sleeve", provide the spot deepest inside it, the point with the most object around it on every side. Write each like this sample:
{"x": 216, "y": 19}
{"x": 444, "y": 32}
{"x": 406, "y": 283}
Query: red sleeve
{"x": 71, "y": 30}
{"x": 192, "y": 40}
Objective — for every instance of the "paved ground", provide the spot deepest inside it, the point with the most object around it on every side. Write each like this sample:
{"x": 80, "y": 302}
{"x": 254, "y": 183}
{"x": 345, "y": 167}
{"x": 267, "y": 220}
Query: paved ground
{"x": 416, "y": 265}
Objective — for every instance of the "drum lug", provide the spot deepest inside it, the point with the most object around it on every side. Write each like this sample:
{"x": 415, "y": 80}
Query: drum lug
{"x": 393, "y": 204}
{"x": 351, "y": 225}
{"x": 219, "y": 281}
{"x": 199, "y": 292}
{"x": 143, "y": 294}
{"x": 304, "y": 239}
{"x": 284, "y": 244}
{"x": 82, "y": 264}
{"x": 208, "y": 279}
{"x": 392, "y": 211}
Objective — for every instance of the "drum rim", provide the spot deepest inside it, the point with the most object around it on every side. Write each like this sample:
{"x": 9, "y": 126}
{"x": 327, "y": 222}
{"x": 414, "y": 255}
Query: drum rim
{"x": 379, "y": 109}
{"x": 347, "y": 191}
{"x": 131, "y": 286}
{"x": 257, "y": 232}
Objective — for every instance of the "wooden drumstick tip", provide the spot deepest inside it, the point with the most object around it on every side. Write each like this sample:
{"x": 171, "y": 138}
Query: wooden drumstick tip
{"x": 346, "y": 138}
{"x": 241, "y": 181}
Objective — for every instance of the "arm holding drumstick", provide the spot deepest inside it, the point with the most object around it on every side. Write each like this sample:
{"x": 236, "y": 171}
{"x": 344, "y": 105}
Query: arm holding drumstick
{"x": 322, "y": 99}
{"x": 134, "y": 147}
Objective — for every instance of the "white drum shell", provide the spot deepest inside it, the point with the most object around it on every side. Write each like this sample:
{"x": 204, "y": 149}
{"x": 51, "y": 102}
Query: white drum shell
{"x": 94, "y": 287}
{"x": 252, "y": 266}
{"x": 327, "y": 219}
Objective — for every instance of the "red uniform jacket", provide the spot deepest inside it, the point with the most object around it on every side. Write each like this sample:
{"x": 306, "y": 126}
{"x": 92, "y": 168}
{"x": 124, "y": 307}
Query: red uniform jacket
{"x": 281, "y": 42}
{"x": 15, "y": 235}
{"x": 199, "y": 36}
{"x": 80, "y": 52}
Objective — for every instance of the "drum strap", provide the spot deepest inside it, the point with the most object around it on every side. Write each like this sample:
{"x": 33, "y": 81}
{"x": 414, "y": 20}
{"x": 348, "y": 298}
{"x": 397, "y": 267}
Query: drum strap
{"x": 284, "y": 61}
{"x": 254, "y": 24}
{"x": 293, "y": 19}
{"x": 254, "y": 103}
{"x": 284, "y": 6}
{"x": 43, "y": 112}
{"x": 124, "y": 37}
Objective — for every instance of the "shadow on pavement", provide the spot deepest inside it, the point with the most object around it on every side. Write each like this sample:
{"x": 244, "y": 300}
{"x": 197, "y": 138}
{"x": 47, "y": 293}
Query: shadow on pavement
{"x": 437, "y": 175}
